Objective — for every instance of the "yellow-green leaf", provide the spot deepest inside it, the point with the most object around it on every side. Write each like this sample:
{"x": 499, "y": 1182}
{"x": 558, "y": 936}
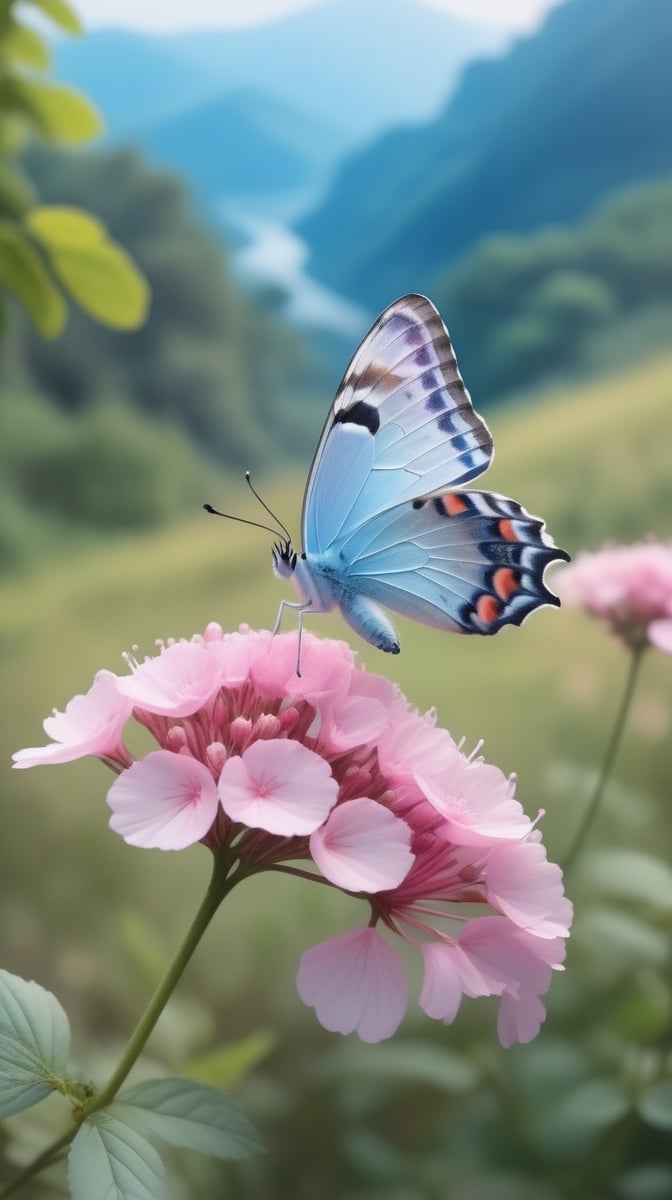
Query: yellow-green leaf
{"x": 61, "y": 114}
{"x": 59, "y": 226}
{"x": 224, "y": 1068}
{"x": 104, "y": 281}
{"x": 60, "y": 13}
{"x": 16, "y": 191}
{"x": 26, "y": 46}
{"x": 23, "y": 273}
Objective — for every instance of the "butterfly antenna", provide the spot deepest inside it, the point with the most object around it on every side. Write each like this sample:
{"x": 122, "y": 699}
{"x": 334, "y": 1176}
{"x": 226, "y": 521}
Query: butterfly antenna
{"x": 248, "y": 480}
{"x": 243, "y": 520}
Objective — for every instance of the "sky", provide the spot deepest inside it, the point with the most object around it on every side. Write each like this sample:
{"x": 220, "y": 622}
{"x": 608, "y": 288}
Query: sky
{"x": 171, "y": 15}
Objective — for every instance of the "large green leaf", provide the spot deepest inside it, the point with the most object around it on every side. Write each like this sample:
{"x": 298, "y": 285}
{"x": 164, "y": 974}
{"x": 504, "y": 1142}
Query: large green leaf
{"x": 655, "y": 1106}
{"x": 26, "y": 46}
{"x": 98, "y": 274}
{"x": 186, "y": 1113}
{"x": 631, "y": 874}
{"x": 23, "y": 273}
{"x": 61, "y": 114}
{"x": 17, "y": 193}
{"x": 109, "y": 1160}
{"x": 34, "y": 1043}
{"x": 105, "y": 283}
{"x": 60, "y": 13}
{"x": 62, "y": 227}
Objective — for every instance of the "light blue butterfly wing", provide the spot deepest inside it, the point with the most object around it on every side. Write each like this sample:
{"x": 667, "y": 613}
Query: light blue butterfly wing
{"x": 466, "y": 562}
{"x": 401, "y": 426}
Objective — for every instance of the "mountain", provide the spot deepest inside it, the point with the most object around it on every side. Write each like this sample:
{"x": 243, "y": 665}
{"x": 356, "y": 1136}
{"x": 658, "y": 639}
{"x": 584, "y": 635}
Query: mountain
{"x": 537, "y": 136}
{"x": 134, "y": 79}
{"x": 353, "y": 66}
{"x": 239, "y": 143}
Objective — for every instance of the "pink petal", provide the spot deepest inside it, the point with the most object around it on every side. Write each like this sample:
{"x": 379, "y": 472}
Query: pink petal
{"x": 326, "y": 667}
{"x": 519, "y": 1019}
{"x": 659, "y": 634}
{"x": 355, "y": 983}
{"x": 90, "y": 725}
{"x": 353, "y": 721}
{"x": 165, "y": 800}
{"x": 512, "y": 959}
{"x": 478, "y": 803}
{"x": 363, "y": 847}
{"x": 442, "y": 989}
{"x": 524, "y": 886}
{"x": 450, "y": 972}
{"x": 280, "y": 786}
{"x": 177, "y": 682}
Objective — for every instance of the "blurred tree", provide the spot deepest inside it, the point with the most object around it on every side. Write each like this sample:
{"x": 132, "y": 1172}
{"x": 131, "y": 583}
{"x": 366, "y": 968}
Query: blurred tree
{"x": 222, "y": 366}
{"x": 524, "y": 308}
{"x": 49, "y": 254}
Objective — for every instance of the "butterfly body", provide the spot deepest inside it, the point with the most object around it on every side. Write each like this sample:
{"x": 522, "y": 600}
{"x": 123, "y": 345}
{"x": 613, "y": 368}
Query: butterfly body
{"x": 387, "y": 522}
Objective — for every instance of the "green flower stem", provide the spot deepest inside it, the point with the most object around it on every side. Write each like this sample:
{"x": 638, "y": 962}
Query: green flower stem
{"x": 609, "y": 757}
{"x": 220, "y": 885}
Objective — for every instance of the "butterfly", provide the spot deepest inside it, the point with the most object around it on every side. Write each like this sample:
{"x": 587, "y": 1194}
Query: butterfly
{"x": 386, "y": 522}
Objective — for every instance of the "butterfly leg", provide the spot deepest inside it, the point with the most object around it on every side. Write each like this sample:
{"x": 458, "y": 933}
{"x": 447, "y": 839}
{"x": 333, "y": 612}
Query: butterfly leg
{"x": 301, "y": 607}
{"x": 299, "y": 604}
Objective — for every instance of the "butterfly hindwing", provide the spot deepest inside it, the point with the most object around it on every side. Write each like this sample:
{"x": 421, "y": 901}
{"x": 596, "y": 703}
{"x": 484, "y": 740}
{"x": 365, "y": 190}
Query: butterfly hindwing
{"x": 469, "y": 562}
{"x": 402, "y": 425}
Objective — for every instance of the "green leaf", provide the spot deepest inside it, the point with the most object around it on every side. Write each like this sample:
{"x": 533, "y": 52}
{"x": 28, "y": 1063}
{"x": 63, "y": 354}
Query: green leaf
{"x": 652, "y": 1181}
{"x": 631, "y": 874}
{"x": 61, "y": 114}
{"x": 34, "y": 1043}
{"x": 24, "y": 273}
{"x": 17, "y": 193}
{"x": 99, "y": 275}
{"x": 26, "y": 46}
{"x": 414, "y": 1061}
{"x": 655, "y": 1106}
{"x": 60, "y": 226}
{"x": 621, "y": 938}
{"x": 60, "y": 13}
{"x": 596, "y": 1104}
{"x": 189, "y": 1114}
{"x": 225, "y": 1068}
{"x": 105, "y": 282}
{"x": 109, "y": 1160}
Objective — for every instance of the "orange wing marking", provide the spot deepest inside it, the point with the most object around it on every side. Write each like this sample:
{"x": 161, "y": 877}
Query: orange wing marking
{"x": 505, "y": 582}
{"x": 507, "y": 531}
{"x": 455, "y": 504}
{"x": 487, "y": 608}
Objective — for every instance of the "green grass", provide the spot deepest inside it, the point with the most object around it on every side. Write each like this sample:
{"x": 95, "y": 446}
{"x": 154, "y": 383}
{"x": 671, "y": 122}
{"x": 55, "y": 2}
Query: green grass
{"x": 594, "y": 461}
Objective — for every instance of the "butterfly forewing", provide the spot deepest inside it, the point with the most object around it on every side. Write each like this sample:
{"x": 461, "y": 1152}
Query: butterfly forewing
{"x": 401, "y": 426}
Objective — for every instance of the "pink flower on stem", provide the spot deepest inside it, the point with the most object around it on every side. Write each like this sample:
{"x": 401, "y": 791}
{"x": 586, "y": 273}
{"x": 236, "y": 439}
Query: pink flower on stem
{"x": 333, "y": 777}
{"x": 628, "y": 587}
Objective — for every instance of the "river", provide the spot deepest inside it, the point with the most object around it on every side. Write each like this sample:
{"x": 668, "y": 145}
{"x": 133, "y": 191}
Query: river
{"x": 272, "y": 253}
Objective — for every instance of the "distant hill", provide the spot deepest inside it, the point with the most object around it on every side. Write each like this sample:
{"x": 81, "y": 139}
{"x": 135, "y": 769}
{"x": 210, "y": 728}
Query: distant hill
{"x": 240, "y": 143}
{"x": 568, "y": 115}
{"x": 350, "y": 68}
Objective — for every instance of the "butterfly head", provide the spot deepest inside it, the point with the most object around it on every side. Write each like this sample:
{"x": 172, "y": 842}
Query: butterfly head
{"x": 284, "y": 559}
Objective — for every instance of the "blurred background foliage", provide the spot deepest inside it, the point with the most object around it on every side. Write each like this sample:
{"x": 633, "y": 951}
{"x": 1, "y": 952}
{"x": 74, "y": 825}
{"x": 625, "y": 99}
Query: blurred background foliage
{"x": 530, "y": 194}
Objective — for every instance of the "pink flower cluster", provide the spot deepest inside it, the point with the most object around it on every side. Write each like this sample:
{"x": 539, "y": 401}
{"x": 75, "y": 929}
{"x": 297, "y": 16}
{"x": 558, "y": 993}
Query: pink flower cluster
{"x": 335, "y": 771}
{"x": 629, "y": 587}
